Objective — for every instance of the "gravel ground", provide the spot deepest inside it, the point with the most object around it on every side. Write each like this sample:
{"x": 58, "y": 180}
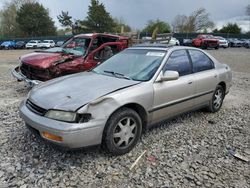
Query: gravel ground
{"x": 189, "y": 151}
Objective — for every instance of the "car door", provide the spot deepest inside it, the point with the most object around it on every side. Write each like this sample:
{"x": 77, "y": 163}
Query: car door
{"x": 97, "y": 56}
{"x": 205, "y": 75}
{"x": 174, "y": 97}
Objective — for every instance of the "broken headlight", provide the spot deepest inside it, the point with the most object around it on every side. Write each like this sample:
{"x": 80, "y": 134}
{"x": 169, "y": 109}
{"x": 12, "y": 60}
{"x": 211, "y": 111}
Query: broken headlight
{"x": 68, "y": 116}
{"x": 61, "y": 115}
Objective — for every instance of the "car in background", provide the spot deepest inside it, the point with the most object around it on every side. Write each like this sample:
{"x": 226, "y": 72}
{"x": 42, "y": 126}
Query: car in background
{"x": 7, "y": 45}
{"x": 234, "y": 42}
{"x": 113, "y": 103}
{"x": 247, "y": 43}
{"x": 79, "y": 53}
{"x": 46, "y": 44}
{"x": 205, "y": 41}
{"x": 32, "y": 44}
{"x": 187, "y": 42}
{"x": 59, "y": 43}
{"x": 20, "y": 45}
{"x": 222, "y": 42}
{"x": 174, "y": 41}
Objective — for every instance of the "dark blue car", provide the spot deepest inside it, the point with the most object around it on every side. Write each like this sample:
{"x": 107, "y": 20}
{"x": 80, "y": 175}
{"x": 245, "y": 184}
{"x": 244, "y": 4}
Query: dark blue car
{"x": 7, "y": 45}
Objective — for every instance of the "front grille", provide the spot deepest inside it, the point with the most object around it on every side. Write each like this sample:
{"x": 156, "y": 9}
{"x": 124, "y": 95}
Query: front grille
{"x": 33, "y": 72}
{"x": 34, "y": 108}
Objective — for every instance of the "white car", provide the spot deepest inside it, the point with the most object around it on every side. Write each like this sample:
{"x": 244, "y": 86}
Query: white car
{"x": 172, "y": 41}
{"x": 222, "y": 42}
{"x": 32, "y": 44}
{"x": 46, "y": 44}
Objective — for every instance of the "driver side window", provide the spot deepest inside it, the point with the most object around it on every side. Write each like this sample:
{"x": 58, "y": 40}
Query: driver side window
{"x": 104, "y": 53}
{"x": 179, "y": 61}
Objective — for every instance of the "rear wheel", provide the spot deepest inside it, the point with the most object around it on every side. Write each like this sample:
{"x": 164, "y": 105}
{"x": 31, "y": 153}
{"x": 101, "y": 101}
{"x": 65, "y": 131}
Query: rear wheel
{"x": 122, "y": 131}
{"x": 203, "y": 46}
{"x": 217, "y": 99}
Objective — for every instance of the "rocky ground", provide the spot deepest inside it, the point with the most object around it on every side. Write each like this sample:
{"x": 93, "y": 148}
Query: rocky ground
{"x": 189, "y": 151}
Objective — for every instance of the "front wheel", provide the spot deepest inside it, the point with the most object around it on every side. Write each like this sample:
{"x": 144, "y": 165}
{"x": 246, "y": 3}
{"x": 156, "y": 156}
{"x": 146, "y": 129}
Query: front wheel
{"x": 122, "y": 131}
{"x": 217, "y": 99}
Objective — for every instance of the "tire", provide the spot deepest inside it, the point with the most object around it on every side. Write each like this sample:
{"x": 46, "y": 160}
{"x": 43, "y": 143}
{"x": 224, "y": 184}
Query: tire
{"x": 217, "y": 47}
{"x": 203, "y": 46}
{"x": 217, "y": 99}
{"x": 119, "y": 136}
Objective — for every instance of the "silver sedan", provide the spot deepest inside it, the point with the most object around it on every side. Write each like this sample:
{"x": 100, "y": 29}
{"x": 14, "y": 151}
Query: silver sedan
{"x": 112, "y": 104}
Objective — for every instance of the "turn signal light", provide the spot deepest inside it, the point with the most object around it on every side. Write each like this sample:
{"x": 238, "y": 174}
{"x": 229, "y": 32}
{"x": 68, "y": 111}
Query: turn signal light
{"x": 52, "y": 137}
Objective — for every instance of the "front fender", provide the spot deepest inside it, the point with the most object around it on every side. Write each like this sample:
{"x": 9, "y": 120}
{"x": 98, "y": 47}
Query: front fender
{"x": 101, "y": 108}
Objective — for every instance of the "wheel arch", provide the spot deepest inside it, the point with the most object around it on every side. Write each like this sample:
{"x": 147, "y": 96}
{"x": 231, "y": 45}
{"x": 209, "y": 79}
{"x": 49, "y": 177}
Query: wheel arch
{"x": 223, "y": 85}
{"x": 139, "y": 109}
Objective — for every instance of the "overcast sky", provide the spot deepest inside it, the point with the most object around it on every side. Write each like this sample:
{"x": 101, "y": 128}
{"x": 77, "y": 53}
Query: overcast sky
{"x": 136, "y": 13}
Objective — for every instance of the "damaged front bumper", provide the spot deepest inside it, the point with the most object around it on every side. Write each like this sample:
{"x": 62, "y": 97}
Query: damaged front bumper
{"x": 16, "y": 73}
{"x": 72, "y": 135}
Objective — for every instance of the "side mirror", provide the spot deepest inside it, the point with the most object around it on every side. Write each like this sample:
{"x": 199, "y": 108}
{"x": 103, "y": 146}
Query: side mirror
{"x": 169, "y": 75}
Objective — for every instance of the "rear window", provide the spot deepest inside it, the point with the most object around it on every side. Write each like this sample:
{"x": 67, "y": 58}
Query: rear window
{"x": 201, "y": 61}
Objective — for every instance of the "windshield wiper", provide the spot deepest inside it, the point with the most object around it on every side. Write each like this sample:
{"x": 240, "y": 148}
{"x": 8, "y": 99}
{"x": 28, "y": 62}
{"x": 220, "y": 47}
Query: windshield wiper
{"x": 116, "y": 74}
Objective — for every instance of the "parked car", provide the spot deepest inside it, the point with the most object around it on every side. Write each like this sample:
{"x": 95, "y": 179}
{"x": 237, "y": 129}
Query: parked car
{"x": 32, "y": 44}
{"x": 46, "y": 44}
{"x": 79, "y": 53}
{"x": 233, "y": 42}
{"x": 205, "y": 41}
{"x": 7, "y": 45}
{"x": 137, "y": 88}
{"x": 20, "y": 45}
{"x": 247, "y": 43}
{"x": 174, "y": 41}
{"x": 187, "y": 42}
{"x": 222, "y": 42}
{"x": 59, "y": 43}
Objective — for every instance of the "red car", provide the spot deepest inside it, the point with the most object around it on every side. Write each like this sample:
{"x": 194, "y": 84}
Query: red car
{"x": 79, "y": 53}
{"x": 205, "y": 41}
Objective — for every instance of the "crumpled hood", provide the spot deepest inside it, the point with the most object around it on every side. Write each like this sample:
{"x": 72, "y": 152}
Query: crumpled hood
{"x": 41, "y": 59}
{"x": 73, "y": 91}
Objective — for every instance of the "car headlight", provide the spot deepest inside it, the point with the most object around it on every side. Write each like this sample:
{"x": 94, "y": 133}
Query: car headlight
{"x": 61, "y": 115}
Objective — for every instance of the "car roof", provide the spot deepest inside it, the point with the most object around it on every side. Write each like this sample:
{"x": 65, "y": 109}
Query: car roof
{"x": 162, "y": 47}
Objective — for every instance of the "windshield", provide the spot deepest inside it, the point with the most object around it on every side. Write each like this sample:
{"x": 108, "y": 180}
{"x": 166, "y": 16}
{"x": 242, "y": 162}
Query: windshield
{"x": 135, "y": 64}
{"x": 62, "y": 50}
{"x": 76, "y": 46}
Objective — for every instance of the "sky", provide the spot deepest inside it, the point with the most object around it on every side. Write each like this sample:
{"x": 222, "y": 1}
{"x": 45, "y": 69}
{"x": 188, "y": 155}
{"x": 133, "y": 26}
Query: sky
{"x": 136, "y": 13}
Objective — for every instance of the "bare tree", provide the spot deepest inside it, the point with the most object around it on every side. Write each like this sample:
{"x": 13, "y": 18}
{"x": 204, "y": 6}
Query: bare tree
{"x": 248, "y": 10}
{"x": 179, "y": 23}
{"x": 197, "y": 21}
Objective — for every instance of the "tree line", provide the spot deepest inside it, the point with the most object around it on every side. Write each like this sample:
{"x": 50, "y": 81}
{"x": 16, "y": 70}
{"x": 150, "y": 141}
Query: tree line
{"x": 29, "y": 18}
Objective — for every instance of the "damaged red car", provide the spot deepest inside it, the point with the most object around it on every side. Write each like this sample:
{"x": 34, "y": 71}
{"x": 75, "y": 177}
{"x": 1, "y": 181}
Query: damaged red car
{"x": 79, "y": 53}
{"x": 205, "y": 41}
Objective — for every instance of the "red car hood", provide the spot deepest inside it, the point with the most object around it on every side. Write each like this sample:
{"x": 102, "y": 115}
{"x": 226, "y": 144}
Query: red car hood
{"x": 42, "y": 59}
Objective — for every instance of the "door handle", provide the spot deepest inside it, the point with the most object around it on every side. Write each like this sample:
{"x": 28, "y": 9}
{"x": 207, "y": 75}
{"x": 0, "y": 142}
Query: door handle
{"x": 190, "y": 82}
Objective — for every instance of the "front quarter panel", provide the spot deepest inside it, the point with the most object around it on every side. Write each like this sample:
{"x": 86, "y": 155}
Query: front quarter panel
{"x": 103, "y": 107}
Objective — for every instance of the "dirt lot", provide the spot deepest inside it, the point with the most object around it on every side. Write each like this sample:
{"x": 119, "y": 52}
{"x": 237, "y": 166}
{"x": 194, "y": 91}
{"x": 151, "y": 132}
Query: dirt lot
{"x": 190, "y": 151}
